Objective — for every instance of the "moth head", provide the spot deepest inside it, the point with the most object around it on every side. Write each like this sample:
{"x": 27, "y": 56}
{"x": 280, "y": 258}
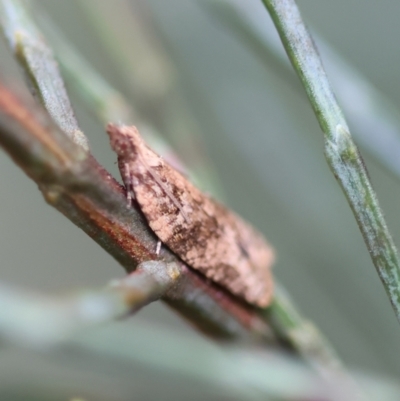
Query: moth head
{"x": 125, "y": 140}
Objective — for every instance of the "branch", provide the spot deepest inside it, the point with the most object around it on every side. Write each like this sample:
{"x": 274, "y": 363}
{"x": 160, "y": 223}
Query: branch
{"x": 239, "y": 373}
{"x": 42, "y": 320}
{"x": 73, "y": 182}
{"x": 58, "y": 327}
{"x": 103, "y": 100}
{"x": 374, "y": 117}
{"x": 40, "y": 68}
{"x": 340, "y": 150}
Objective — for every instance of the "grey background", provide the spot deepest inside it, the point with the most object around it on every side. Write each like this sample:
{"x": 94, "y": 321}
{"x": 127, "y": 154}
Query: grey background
{"x": 267, "y": 148}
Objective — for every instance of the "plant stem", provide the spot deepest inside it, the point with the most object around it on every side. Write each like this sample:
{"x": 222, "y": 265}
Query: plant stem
{"x": 43, "y": 320}
{"x": 374, "y": 117}
{"x": 40, "y": 67}
{"x": 302, "y": 334}
{"x": 73, "y": 182}
{"x": 341, "y": 152}
{"x": 105, "y": 101}
{"x": 311, "y": 345}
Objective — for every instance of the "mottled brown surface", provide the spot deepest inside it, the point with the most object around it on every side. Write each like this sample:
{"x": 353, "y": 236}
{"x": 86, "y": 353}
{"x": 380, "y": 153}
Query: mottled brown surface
{"x": 202, "y": 232}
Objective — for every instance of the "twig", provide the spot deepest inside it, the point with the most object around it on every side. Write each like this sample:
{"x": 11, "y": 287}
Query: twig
{"x": 67, "y": 329}
{"x": 340, "y": 150}
{"x": 40, "y": 320}
{"x": 54, "y": 324}
{"x": 41, "y": 69}
{"x": 374, "y": 117}
{"x": 103, "y": 100}
{"x": 302, "y": 334}
{"x": 266, "y": 373}
{"x": 73, "y": 182}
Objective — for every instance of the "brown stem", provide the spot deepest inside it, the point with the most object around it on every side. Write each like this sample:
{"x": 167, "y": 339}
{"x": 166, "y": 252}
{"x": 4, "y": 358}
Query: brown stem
{"x": 74, "y": 183}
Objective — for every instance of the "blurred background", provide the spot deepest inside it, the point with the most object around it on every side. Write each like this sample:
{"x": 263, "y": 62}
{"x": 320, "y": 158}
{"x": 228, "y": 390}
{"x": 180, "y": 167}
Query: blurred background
{"x": 259, "y": 131}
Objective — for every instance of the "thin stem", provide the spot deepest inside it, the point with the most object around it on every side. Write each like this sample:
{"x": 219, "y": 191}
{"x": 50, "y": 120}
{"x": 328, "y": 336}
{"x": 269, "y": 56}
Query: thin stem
{"x": 73, "y": 182}
{"x": 374, "y": 117}
{"x": 58, "y": 325}
{"x": 302, "y": 334}
{"x": 44, "y": 320}
{"x": 340, "y": 150}
{"x": 103, "y": 100}
{"x": 39, "y": 66}
{"x": 305, "y": 60}
{"x": 237, "y": 370}
{"x": 310, "y": 343}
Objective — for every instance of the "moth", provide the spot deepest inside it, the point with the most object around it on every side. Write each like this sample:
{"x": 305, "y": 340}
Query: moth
{"x": 202, "y": 232}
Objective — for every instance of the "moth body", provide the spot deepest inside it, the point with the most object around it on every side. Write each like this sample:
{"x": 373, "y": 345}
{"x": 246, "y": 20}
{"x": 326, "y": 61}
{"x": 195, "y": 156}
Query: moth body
{"x": 202, "y": 232}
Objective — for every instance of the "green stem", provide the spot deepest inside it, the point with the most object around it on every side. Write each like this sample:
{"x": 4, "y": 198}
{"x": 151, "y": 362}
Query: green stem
{"x": 105, "y": 101}
{"x": 301, "y": 334}
{"x": 374, "y": 117}
{"x": 40, "y": 68}
{"x": 76, "y": 185}
{"x": 45, "y": 320}
{"x": 72, "y": 181}
{"x": 340, "y": 150}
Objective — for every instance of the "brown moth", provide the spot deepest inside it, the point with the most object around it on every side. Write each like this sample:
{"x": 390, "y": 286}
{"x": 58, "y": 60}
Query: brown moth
{"x": 202, "y": 232}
